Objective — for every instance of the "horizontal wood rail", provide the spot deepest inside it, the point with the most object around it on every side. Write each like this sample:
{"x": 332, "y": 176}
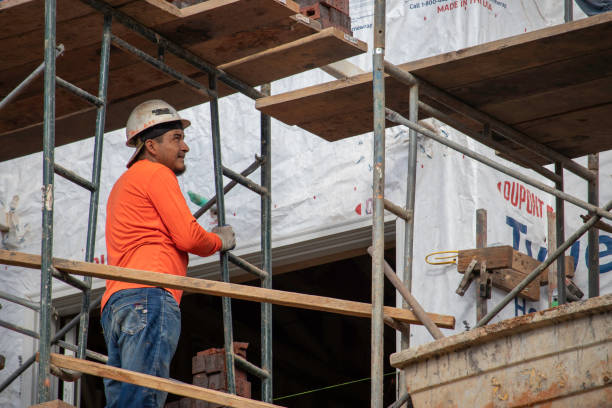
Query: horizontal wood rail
{"x": 208, "y": 287}
{"x": 163, "y": 384}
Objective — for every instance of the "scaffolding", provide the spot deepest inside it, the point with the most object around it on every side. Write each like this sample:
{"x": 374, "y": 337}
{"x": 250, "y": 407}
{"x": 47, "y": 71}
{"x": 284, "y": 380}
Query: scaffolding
{"x": 489, "y": 124}
{"x": 490, "y": 130}
{"x": 49, "y": 270}
{"x": 408, "y": 92}
{"x": 50, "y": 363}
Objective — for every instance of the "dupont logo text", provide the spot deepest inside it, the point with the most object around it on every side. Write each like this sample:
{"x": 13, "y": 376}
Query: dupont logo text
{"x": 522, "y": 198}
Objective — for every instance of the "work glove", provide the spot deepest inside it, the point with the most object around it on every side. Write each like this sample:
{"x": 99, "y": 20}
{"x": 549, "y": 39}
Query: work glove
{"x": 228, "y": 238}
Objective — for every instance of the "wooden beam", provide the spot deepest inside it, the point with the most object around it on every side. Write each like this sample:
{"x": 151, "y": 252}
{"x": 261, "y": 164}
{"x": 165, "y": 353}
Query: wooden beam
{"x": 163, "y": 384}
{"x": 208, "y": 287}
{"x": 321, "y": 48}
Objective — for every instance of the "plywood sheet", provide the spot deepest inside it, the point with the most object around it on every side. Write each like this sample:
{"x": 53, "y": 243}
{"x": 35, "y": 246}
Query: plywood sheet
{"x": 256, "y": 40}
{"x": 319, "y": 49}
{"x": 553, "y": 84}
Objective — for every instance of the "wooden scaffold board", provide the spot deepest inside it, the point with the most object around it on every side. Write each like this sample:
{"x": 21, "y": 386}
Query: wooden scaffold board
{"x": 258, "y": 41}
{"x": 553, "y": 84}
{"x": 215, "y": 288}
{"x": 163, "y": 384}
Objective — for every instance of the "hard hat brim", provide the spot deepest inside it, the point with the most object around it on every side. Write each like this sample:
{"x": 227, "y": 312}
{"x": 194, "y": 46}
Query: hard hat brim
{"x": 133, "y": 158}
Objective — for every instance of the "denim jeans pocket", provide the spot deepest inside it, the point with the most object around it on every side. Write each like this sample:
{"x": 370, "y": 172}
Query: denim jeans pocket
{"x": 130, "y": 313}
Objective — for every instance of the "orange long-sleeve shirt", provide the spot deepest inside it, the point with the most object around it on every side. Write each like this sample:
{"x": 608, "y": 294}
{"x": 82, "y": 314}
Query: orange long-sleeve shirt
{"x": 150, "y": 227}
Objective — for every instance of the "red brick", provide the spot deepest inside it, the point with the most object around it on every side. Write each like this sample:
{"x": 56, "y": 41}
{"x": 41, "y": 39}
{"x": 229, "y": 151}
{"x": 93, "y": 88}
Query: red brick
{"x": 208, "y": 363}
{"x": 186, "y": 403}
{"x": 201, "y": 380}
{"x": 243, "y": 389}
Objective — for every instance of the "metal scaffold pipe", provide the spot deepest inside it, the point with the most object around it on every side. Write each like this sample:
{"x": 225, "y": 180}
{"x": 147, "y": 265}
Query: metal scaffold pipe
{"x": 266, "y": 249}
{"x": 96, "y": 171}
{"x": 593, "y": 236}
{"x": 210, "y": 203}
{"x": 61, "y": 333}
{"x": 378, "y": 185}
{"x": 226, "y": 302}
{"x": 399, "y": 119}
{"x": 20, "y": 301}
{"x": 28, "y": 80}
{"x": 456, "y": 124}
{"x": 503, "y": 129}
{"x": 44, "y": 345}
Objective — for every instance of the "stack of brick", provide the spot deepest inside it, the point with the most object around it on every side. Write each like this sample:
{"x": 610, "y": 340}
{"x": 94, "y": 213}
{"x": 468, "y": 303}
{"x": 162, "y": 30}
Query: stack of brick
{"x": 330, "y": 13}
{"x": 208, "y": 369}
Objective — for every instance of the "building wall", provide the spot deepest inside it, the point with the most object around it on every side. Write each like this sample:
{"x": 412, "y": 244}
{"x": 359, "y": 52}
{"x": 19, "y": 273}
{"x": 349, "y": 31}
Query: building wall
{"x": 318, "y": 188}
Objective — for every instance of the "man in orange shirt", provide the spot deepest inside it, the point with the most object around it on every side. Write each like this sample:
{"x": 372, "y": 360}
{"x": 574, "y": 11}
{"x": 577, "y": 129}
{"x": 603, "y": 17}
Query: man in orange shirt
{"x": 150, "y": 227}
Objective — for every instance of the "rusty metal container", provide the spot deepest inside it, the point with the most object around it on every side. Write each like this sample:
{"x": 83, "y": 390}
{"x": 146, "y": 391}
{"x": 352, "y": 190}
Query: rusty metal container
{"x": 559, "y": 357}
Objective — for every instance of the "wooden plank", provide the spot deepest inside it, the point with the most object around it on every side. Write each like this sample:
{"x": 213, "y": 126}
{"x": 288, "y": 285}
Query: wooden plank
{"x": 81, "y": 124}
{"x": 342, "y": 109}
{"x": 21, "y": 16}
{"x": 211, "y": 18}
{"x": 223, "y": 49}
{"x": 537, "y": 80}
{"x": 510, "y": 267}
{"x": 516, "y": 53}
{"x": 322, "y": 48}
{"x": 215, "y": 18}
{"x": 319, "y": 101}
{"x": 83, "y": 63}
{"x": 576, "y": 132}
{"x": 483, "y": 276}
{"x": 503, "y": 257}
{"x": 74, "y": 33}
{"x": 523, "y": 263}
{"x": 163, "y": 384}
{"x": 122, "y": 84}
{"x": 573, "y": 133}
{"x": 215, "y": 288}
{"x": 508, "y": 279}
{"x": 499, "y": 257}
{"x": 531, "y": 106}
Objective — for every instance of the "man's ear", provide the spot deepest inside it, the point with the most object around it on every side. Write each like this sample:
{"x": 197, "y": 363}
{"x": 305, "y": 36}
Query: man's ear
{"x": 151, "y": 147}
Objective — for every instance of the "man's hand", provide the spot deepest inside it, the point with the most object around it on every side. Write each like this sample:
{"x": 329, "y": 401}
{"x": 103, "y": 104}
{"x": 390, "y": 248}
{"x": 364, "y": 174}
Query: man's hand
{"x": 228, "y": 238}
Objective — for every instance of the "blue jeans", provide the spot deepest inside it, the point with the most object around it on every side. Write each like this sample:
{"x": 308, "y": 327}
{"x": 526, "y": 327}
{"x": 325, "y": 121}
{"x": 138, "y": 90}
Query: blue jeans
{"x": 141, "y": 329}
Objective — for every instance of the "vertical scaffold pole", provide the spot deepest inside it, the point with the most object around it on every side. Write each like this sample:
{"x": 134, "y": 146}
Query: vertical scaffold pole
{"x": 593, "y": 237}
{"x": 378, "y": 232}
{"x": 409, "y": 225}
{"x": 560, "y": 210}
{"x": 266, "y": 251}
{"x": 568, "y": 10}
{"x": 44, "y": 345}
{"x": 226, "y": 302}
{"x": 95, "y": 179}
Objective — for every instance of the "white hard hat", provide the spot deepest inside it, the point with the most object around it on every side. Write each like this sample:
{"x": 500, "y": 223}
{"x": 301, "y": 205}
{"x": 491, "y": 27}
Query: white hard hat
{"x": 146, "y": 115}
